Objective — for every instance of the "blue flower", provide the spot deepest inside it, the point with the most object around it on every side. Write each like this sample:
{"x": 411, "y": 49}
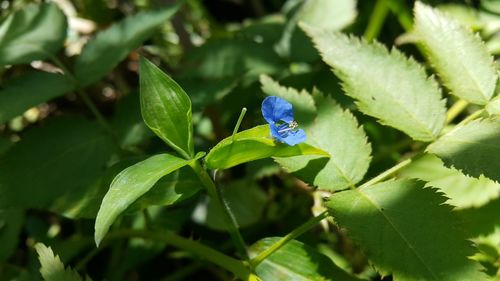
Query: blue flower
{"x": 279, "y": 114}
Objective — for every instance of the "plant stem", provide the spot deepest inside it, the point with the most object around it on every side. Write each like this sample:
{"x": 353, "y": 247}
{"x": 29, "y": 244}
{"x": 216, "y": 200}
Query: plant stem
{"x": 472, "y": 117}
{"x": 238, "y": 123}
{"x": 455, "y": 110}
{"x": 290, "y": 236}
{"x": 399, "y": 8}
{"x": 376, "y": 22}
{"x": 387, "y": 173}
{"x": 233, "y": 265}
{"x": 227, "y": 216}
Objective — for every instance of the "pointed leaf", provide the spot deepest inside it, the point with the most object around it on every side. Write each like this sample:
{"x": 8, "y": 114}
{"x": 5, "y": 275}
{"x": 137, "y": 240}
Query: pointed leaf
{"x": 493, "y": 107}
{"x": 52, "y": 268}
{"x": 406, "y": 230}
{"x": 386, "y": 85}
{"x": 459, "y": 57}
{"x": 129, "y": 185}
{"x": 111, "y": 46}
{"x": 328, "y": 14}
{"x": 472, "y": 148}
{"x": 463, "y": 191}
{"x": 298, "y": 262}
{"x": 33, "y": 33}
{"x": 337, "y": 132}
{"x": 254, "y": 144}
{"x": 166, "y": 108}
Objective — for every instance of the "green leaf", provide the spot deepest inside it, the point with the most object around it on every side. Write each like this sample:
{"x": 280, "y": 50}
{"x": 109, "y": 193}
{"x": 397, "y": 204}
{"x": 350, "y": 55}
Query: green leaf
{"x": 472, "y": 148}
{"x": 111, "y": 46}
{"x": 337, "y": 132}
{"x": 459, "y": 57}
{"x": 11, "y": 224}
{"x": 131, "y": 184}
{"x": 34, "y": 33}
{"x": 386, "y": 85}
{"x": 493, "y": 107}
{"x": 52, "y": 268}
{"x": 328, "y": 14}
{"x": 31, "y": 89}
{"x": 296, "y": 261}
{"x": 254, "y": 144}
{"x": 61, "y": 157}
{"x": 246, "y": 200}
{"x": 166, "y": 108}
{"x": 462, "y": 191}
{"x": 405, "y": 229}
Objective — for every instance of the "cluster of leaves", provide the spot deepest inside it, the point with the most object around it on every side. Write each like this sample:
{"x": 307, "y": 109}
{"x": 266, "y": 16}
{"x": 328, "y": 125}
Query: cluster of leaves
{"x": 399, "y": 174}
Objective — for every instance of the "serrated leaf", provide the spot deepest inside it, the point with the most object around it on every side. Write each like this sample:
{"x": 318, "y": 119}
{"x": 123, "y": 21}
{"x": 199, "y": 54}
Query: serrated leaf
{"x": 298, "y": 262}
{"x": 462, "y": 191}
{"x": 52, "y": 268}
{"x": 166, "y": 108}
{"x": 406, "y": 230}
{"x": 254, "y": 144}
{"x": 459, "y": 57}
{"x": 472, "y": 148}
{"x": 31, "y": 89}
{"x": 493, "y": 107}
{"x": 386, "y": 85}
{"x": 130, "y": 184}
{"x": 109, "y": 47}
{"x": 59, "y": 158}
{"x": 337, "y": 132}
{"x": 33, "y": 33}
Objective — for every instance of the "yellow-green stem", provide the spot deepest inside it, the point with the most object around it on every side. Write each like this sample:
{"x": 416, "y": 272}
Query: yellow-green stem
{"x": 455, "y": 110}
{"x": 387, "y": 173}
{"x": 377, "y": 19}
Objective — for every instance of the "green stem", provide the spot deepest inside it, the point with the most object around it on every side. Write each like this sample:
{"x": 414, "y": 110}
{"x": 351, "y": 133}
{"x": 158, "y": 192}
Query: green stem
{"x": 238, "y": 123}
{"x": 227, "y": 216}
{"x": 387, "y": 173}
{"x": 401, "y": 11}
{"x": 471, "y": 117}
{"x": 377, "y": 19}
{"x": 290, "y": 236}
{"x": 235, "y": 266}
{"x": 455, "y": 110}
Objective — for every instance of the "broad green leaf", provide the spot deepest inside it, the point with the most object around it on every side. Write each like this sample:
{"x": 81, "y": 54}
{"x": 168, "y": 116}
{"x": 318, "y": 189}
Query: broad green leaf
{"x": 254, "y": 144}
{"x": 129, "y": 185}
{"x": 166, "y": 108}
{"x": 472, "y": 148}
{"x": 52, "y": 268}
{"x": 296, "y": 262}
{"x": 459, "y": 57}
{"x": 462, "y": 191}
{"x": 337, "y": 132}
{"x": 31, "y": 89}
{"x": 33, "y": 33}
{"x": 407, "y": 231}
{"x": 58, "y": 158}
{"x": 11, "y": 223}
{"x": 328, "y": 14}
{"x": 386, "y": 85}
{"x": 246, "y": 200}
{"x": 493, "y": 107}
{"x": 111, "y": 46}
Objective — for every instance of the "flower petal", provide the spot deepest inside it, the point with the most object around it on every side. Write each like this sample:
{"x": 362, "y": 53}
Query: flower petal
{"x": 295, "y": 137}
{"x": 276, "y": 109}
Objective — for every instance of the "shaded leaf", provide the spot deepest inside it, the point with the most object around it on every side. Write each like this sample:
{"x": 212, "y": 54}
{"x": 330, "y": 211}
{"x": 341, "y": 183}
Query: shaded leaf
{"x": 296, "y": 261}
{"x": 111, "y": 46}
{"x": 129, "y": 185}
{"x": 463, "y": 191}
{"x": 254, "y": 144}
{"x": 52, "y": 268}
{"x": 31, "y": 89}
{"x": 337, "y": 132}
{"x": 11, "y": 223}
{"x": 472, "y": 148}
{"x": 34, "y": 33}
{"x": 386, "y": 85}
{"x": 166, "y": 108}
{"x": 406, "y": 230}
{"x": 459, "y": 57}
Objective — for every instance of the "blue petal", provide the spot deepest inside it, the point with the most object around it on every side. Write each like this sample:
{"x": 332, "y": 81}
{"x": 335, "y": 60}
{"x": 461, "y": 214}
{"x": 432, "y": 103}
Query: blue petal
{"x": 276, "y": 109}
{"x": 290, "y": 137}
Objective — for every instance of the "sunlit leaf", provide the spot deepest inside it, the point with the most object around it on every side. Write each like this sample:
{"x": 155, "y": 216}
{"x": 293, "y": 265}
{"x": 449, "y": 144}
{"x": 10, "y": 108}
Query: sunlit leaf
{"x": 328, "y": 14}
{"x": 52, "y": 268}
{"x": 493, "y": 107}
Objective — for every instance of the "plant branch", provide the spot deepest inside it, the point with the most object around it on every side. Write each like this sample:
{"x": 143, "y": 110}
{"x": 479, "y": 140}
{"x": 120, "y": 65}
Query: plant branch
{"x": 455, "y": 110}
{"x": 387, "y": 173}
{"x": 376, "y": 22}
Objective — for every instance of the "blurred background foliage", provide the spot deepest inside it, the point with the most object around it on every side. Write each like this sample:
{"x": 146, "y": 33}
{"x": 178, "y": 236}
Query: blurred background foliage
{"x": 70, "y": 121}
